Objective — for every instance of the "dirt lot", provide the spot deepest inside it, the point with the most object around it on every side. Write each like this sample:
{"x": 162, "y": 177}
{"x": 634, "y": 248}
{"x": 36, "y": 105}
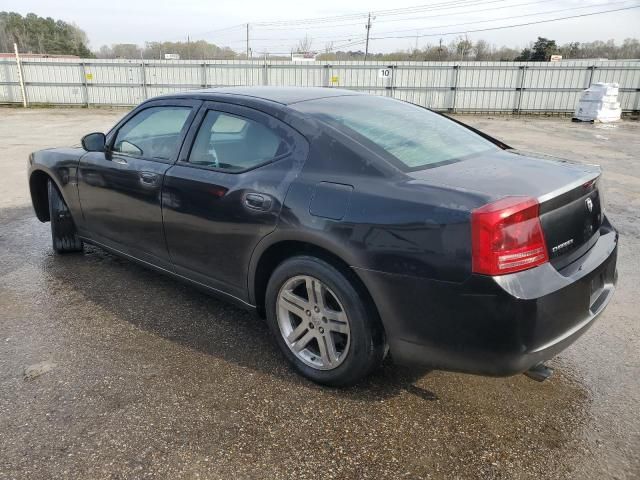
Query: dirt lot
{"x": 134, "y": 375}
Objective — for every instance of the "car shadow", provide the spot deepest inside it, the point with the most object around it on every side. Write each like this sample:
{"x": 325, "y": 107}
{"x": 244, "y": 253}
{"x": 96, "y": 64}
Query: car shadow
{"x": 178, "y": 312}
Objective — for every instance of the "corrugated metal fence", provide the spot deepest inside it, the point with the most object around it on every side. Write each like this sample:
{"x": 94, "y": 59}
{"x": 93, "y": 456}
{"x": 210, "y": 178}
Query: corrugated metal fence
{"x": 527, "y": 87}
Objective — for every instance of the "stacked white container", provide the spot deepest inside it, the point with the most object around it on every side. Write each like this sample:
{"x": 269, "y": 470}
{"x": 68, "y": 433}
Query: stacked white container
{"x": 599, "y": 103}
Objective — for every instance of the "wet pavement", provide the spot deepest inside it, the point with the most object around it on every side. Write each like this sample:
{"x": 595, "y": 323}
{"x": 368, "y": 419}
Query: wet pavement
{"x": 108, "y": 370}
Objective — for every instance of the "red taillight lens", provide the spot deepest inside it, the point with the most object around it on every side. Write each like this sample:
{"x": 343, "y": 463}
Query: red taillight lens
{"x": 507, "y": 236}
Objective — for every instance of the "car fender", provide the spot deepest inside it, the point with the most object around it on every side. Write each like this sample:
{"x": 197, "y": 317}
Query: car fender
{"x": 61, "y": 166}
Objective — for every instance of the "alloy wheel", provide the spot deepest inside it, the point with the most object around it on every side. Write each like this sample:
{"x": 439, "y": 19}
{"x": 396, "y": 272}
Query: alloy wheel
{"x": 313, "y": 322}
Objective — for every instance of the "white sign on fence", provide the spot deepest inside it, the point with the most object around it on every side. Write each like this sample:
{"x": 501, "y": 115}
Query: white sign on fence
{"x": 385, "y": 73}
{"x": 172, "y": 56}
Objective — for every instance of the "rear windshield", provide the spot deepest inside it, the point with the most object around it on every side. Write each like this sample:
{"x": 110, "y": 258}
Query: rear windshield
{"x": 414, "y": 137}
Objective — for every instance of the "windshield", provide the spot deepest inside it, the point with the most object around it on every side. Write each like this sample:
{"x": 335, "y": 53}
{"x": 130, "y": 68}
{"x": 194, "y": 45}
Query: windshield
{"x": 415, "y": 137}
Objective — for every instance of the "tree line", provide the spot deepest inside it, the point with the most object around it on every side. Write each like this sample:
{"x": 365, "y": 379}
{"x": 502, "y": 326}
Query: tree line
{"x": 463, "y": 49}
{"x": 34, "y": 34}
{"x": 47, "y": 36}
{"x": 198, "y": 50}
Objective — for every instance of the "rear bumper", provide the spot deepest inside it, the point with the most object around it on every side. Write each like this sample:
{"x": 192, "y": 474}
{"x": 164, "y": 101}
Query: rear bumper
{"x": 495, "y": 326}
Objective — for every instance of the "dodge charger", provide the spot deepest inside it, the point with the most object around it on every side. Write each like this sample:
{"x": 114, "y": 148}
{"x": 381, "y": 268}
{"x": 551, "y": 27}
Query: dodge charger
{"x": 357, "y": 225}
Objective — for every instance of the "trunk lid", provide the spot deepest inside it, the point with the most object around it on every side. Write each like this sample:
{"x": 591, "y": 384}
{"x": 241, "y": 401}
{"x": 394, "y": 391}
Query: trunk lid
{"x": 568, "y": 193}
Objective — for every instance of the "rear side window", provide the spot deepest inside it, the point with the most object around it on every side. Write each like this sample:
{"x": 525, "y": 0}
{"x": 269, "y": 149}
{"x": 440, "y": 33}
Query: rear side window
{"x": 152, "y": 133}
{"x": 234, "y": 143}
{"x": 414, "y": 137}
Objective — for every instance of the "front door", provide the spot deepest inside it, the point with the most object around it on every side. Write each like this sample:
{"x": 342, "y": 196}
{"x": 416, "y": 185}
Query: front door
{"x": 120, "y": 189}
{"x": 225, "y": 192}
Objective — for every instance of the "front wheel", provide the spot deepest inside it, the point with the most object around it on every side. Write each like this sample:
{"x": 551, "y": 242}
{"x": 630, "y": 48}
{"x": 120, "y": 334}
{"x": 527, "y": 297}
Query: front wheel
{"x": 63, "y": 230}
{"x": 321, "y": 322}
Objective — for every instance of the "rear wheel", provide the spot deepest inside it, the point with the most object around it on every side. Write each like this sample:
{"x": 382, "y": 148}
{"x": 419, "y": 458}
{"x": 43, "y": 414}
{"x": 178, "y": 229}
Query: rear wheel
{"x": 63, "y": 230}
{"x": 321, "y": 322}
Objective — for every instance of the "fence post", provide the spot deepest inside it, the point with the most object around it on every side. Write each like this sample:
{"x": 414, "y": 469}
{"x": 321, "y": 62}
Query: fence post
{"x": 392, "y": 82}
{"x": 84, "y": 82}
{"x": 325, "y": 75}
{"x": 523, "y": 70}
{"x": 20, "y": 77}
{"x": 143, "y": 77}
{"x": 265, "y": 73}
{"x": 203, "y": 75}
{"x": 592, "y": 69}
{"x": 454, "y": 88}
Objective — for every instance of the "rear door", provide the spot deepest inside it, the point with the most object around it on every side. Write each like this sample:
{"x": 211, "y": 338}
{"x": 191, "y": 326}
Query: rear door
{"x": 120, "y": 189}
{"x": 226, "y": 190}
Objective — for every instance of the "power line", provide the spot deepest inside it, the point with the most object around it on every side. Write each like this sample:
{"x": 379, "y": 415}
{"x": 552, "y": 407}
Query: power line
{"x": 368, "y": 25}
{"x": 507, "y": 26}
{"x": 451, "y": 14}
{"x": 400, "y": 11}
{"x": 450, "y": 5}
{"x": 350, "y": 37}
{"x": 506, "y": 18}
{"x": 350, "y": 44}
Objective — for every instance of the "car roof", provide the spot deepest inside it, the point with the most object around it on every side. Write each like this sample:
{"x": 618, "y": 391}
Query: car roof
{"x": 282, "y": 95}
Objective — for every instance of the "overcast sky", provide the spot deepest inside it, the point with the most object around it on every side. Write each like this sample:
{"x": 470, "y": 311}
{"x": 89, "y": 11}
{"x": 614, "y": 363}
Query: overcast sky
{"x": 137, "y": 21}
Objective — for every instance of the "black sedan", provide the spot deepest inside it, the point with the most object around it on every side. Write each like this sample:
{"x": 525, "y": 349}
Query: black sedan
{"x": 357, "y": 225}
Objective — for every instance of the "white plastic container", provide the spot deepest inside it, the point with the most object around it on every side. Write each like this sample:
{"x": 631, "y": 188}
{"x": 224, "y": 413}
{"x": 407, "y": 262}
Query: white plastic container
{"x": 597, "y": 96}
{"x": 599, "y": 103}
{"x": 605, "y": 88}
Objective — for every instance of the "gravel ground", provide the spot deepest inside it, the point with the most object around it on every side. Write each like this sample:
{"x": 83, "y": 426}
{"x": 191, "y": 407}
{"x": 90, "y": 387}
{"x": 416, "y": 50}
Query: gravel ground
{"x": 108, "y": 370}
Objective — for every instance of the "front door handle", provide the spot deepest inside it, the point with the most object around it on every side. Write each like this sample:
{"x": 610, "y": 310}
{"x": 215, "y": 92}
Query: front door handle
{"x": 257, "y": 201}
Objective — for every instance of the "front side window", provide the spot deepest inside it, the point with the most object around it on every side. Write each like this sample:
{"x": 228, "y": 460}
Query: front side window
{"x": 153, "y": 133}
{"x": 234, "y": 143}
{"x": 415, "y": 137}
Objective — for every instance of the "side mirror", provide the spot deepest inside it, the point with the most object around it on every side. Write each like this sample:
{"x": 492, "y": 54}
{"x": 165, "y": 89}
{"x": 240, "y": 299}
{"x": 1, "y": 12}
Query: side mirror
{"x": 94, "y": 142}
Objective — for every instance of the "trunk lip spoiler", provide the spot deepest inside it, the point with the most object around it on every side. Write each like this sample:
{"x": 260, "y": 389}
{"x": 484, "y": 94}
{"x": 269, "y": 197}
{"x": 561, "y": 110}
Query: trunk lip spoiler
{"x": 592, "y": 176}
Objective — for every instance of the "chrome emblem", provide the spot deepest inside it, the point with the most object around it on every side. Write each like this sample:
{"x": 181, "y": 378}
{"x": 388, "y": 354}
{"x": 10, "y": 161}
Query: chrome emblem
{"x": 589, "y": 204}
{"x": 562, "y": 246}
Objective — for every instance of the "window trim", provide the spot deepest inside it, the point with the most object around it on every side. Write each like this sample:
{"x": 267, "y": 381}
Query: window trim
{"x": 185, "y": 153}
{"x": 112, "y": 135}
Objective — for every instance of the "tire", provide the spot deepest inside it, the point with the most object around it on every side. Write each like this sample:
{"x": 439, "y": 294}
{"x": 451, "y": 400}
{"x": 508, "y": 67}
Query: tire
{"x": 63, "y": 231}
{"x": 341, "y": 341}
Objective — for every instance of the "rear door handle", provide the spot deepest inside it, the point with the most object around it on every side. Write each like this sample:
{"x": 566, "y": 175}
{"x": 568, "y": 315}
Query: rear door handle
{"x": 257, "y": 201}
{"x": 148, "y": 178}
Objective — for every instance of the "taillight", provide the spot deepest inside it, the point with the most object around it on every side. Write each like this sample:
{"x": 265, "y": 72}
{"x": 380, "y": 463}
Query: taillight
{"x": 507, "y": 236}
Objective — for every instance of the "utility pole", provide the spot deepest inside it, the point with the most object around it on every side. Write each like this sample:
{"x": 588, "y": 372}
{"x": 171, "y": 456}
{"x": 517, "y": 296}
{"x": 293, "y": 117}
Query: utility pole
{"x": 368, "y": 27}
{"x": 188, "y": 47}
{"x": 247, "y": 41}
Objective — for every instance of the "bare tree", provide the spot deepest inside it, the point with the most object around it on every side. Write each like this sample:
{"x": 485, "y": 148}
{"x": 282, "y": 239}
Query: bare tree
{"x": 304, "y": 45}
{"x": 482, "y": 50}
{"x": 463, "y": 46}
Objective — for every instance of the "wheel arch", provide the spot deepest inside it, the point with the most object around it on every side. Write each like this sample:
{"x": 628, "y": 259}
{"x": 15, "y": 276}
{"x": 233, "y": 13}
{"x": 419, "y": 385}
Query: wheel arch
{"x": 267, "y": 260}
{"x": 39, "y": 194}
